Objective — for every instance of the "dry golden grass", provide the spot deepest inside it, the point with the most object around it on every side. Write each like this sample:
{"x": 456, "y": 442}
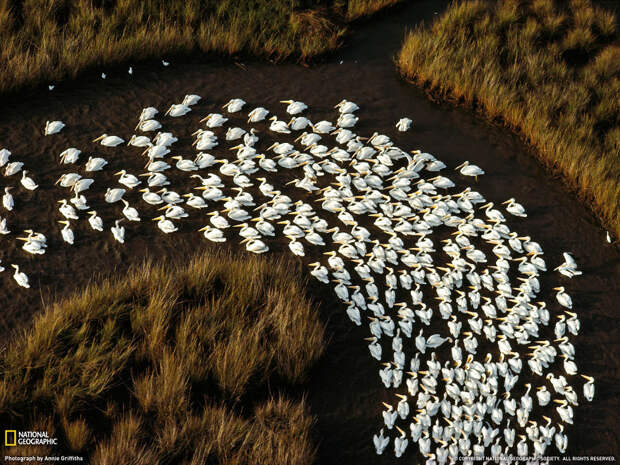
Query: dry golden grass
{"x": 552, "y": 72}
{"x": 171, "y": 365}
{"x": 49, "y": 40}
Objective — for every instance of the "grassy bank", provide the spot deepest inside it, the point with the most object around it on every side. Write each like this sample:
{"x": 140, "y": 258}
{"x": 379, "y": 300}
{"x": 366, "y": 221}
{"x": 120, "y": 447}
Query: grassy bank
{"x": 49, "y": 40}
{"x": 170, "y": 366}
{"x": 550, "y": 71}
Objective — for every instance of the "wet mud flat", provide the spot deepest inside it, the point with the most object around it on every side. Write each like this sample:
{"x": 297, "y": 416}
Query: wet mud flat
{"x": 345, "y": 390}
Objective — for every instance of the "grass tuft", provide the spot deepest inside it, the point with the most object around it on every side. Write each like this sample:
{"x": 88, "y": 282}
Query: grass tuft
{"x": 171, "y": 365}
{"x": 549, "y": 70}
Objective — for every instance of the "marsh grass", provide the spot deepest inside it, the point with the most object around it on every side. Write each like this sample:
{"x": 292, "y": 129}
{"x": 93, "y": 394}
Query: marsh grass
{"x": 171, "y": 365}
{"x": 49, "y": 40}
{"x": 550, "y": 71}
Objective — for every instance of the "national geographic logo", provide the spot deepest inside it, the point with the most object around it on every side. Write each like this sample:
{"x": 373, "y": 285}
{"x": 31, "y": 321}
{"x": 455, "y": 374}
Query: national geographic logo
{"x": 28, "y": 438}
{"x": 10, "y": 437}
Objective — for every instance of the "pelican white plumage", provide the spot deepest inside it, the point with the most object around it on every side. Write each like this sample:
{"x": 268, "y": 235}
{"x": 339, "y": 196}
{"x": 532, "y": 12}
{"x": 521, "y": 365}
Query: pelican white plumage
{"x": 234, "y": 105}
{"x": 148, "y": 125}
{"x": 109, "y": 141}
{"x": 177, "y": 110}
{"x": 130, "y": 212}
{"x": 20, "y": 277}
{"x": 118, "y": 231}
{"x": 128, "y": 180}
{"x": 278, "y": 126}
{"x": 95, "y": 221}
{"x": 148, "y": 113}
{"x": 114, "y": 195}
{"x": 515, "y": 208}
{"x": 4, "y": 157}
{"x": 563, "y": 298}
{"x": 70, "y": 155}
{"x": 191, "y": 100}
{"x": 67, "y": 233}
{"x": 346, "y": 107}
{"x": 214, "y": 120}
{"x": 95, "y": 164}
{"x": 467, "y": 169}
{"x": 165, "y": 225}
{"x": 140, "y": 141}
{"x": 258, "y": 114}
{"x": 213, "y": 234}
{"x": 27, "y": 182}
{"x": 13, "y": 168}
{"x": 7, "y": 199}
{"x": 294, "y": 107}
{"x": 403, "y": 124}
{"x": 323, "y": 127}
{"x": 53, "y": 127}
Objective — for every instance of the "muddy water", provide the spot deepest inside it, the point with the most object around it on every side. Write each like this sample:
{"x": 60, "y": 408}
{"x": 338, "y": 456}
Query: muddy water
{"x": 345, "y": 390}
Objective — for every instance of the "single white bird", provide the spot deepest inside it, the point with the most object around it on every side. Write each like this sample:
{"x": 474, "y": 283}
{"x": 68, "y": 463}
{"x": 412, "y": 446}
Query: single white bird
{"x": 27, "y": 182}
{"x": 20, "y": 277}
{"x": 53, "y": 127}
{"x": 109, "y": 141}
{"x": 403, "y": 124}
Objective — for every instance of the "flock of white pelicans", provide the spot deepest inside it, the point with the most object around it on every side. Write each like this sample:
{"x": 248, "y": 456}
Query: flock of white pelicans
{"x": 376, "y": 213}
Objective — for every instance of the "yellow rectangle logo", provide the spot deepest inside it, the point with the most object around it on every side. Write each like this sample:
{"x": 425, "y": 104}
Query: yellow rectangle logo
{"x": 10, "y": 437}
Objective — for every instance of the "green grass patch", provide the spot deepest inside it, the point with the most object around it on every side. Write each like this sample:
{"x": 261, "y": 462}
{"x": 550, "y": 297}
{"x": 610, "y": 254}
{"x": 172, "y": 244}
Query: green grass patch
{"x": 170, "y": 365}
{"x": 550, "y": 71}
{"x": 50, "y": 40}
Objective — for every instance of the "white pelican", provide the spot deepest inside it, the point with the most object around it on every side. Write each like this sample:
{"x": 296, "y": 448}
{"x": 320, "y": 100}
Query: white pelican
{"x": 151, "y": 198}
{"x": 148, "y": 113}
{"x": 184, "y": 164}
{"x": 95, "y": 164}
{"x": 4, "y": 157}
{"x": 114, "y": 195}
{"x": 53, "y": 127}
{"x": 346, "y": 120}
{"x": 467, "y": 169}
{"x": 296, "y": 247}
{"x": 20, "y": 277}
{"x": 234, "y": 105}
{"x": 213, "y": 234}
{"x": 67, "y": 233}
{"x": 165, "y": 225}
{"x": 235, "y": 133}
{"x": 563, "y": 298}
{"x": 13, "y": 168}
{"x": 278, "y": 126}
{"x": 7, "y": 199}
{"x": 258, "y": 114}
{"x": 178, "y": 110}
{"x": 3, "y": 227}
{"x": 347, "y": 107}
{"x": 118, "y": 231}
{"x": 109, "y": 141}
{"x": 323, "y": 127}
{"x": 214, "y": 120}
{"x": 191, "y": 99}
{"x": 403, "y": 124}
{"x": 255, "y": 246}
{"x": 148, "y": 125}
{"x": 130, "y": 212}
{"x": 299, "y": 123}
{"x": 67, "y": 210}
{"x": 128, "y": 180}
{"x": 140, "y": 141}
{"x": 514, "y": 208}
{"x": 82, "y": 185}
{"x": 96, "y": 223}
{"x": 70, "y": 155}
{"x": 294, "y": 107}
